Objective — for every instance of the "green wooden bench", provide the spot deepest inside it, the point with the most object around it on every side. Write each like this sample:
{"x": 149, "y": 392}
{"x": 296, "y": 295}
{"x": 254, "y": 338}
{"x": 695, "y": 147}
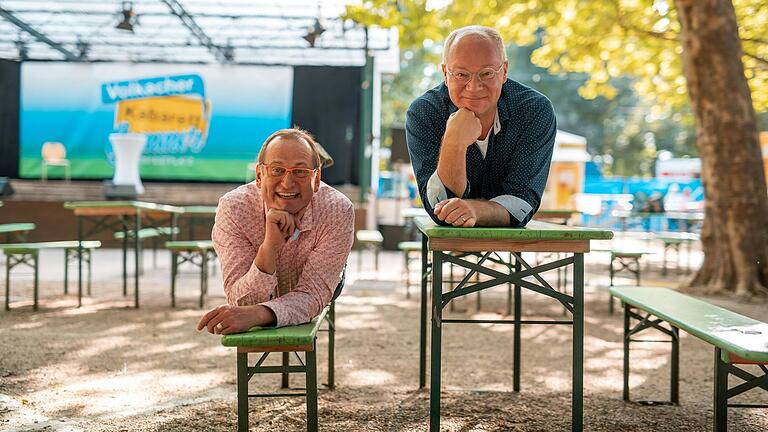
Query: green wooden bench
{"x": 624, "y": 259}
{"x": 16, "y": 231}
{"x": 29, "y": 253}
{"x": 673, "y": 241}
{"x": 285, "y": 340}
{"x": 368, "y": 239}
{"x": 737, "y": 340}
{"x": 196, "y": 252}
{"x": 153, "y": 233}
{"x": 408, "y": 248}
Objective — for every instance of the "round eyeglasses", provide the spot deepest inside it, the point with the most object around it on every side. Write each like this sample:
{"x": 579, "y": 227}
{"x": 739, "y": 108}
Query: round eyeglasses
{"x": 278, "y": 171}
{"x": 485, "y": 75}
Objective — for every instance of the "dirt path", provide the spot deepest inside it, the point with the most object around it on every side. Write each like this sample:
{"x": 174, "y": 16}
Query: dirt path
{"x": 109, "y": 368}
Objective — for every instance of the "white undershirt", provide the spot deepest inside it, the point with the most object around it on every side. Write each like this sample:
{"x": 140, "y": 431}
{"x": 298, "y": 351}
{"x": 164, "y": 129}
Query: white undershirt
{"x": 483, "y": 143}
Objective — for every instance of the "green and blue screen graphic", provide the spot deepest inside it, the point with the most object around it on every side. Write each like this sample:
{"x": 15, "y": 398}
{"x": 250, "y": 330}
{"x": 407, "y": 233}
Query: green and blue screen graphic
{"x": 201, "y": 122}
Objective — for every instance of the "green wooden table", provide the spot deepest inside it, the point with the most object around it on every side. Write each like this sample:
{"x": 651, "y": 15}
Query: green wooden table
{"x": 691, "y": 217}
{"x": 16, "y": 231}
{"x": 535, "y": 237}
{"x": 122, "y": 216}
{"x": 197, "y": 214}
{"x": 558, "y": 216}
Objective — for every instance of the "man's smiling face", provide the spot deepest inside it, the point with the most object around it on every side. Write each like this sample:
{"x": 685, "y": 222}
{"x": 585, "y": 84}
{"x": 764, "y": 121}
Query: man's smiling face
{"x": 473, "y": 54}
{"x": 287, "y": 192}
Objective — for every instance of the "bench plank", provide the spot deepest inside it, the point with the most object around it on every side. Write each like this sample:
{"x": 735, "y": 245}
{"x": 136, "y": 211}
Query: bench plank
{"x": 299, "y": 335}
{"x": 14, "y": 248}
{"x": 15, "y": 227}
{"x": 148, "y": 232}
{"x": 727, "y": 330}
{"x": 189, "y": 245}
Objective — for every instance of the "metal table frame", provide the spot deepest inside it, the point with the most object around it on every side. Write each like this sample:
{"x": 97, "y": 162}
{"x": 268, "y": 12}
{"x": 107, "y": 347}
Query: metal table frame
{"x": 124, "y": 216}
{"x": 537, "y": 237}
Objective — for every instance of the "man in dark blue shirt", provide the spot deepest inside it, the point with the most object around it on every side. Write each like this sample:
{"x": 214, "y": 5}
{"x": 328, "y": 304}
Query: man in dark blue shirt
{"x": 480, "y": 144}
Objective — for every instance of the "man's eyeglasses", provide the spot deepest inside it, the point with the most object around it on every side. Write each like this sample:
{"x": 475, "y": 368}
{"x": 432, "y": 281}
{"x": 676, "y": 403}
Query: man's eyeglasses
{"x": 278, "y": 171}
{"x": 485, "y": 75}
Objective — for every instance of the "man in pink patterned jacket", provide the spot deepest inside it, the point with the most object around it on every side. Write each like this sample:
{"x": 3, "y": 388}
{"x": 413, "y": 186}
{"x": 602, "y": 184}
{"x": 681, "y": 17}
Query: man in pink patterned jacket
{"x": 282, "y": 240}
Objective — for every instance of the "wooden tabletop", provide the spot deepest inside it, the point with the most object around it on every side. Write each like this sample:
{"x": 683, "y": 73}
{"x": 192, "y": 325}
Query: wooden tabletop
{"x": 119, "y": 207}
{"x": 413, "y": 212}
{"x": 555, "y": 213}
{"x": 691, "y": 216}
{"x": 200, "y": 210}
{"x": 536, "y": 236}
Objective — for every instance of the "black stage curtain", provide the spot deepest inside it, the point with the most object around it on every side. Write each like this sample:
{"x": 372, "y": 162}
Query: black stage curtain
{"x": 10, "y": 84}
{"x": 326, "y": 102}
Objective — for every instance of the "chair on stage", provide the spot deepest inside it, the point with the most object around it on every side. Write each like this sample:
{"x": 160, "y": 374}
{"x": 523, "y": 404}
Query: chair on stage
{"x": 54, "y": 154}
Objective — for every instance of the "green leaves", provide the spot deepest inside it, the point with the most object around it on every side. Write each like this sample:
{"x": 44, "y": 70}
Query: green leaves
{"x": 605, "y": 39}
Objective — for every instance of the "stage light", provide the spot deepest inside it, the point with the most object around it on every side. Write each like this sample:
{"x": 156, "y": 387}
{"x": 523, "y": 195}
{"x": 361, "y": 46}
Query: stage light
{"x": 314, "y": 32}
{"x": 82, "y": 49}
{"x": 23, "y": 50}
{"x": 129, "y": 17}
{"x": 229, "y": 52}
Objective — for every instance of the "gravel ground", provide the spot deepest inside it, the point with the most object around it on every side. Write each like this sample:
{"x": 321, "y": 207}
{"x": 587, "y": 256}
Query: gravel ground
{"x": 106, "y": 367}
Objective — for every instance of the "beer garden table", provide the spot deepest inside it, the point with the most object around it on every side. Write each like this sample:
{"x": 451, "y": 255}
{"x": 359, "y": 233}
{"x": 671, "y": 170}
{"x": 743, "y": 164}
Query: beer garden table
{"x": 197, "y": 214}
{"x": 535, "y": 237}
{"x": 122, "y": 216}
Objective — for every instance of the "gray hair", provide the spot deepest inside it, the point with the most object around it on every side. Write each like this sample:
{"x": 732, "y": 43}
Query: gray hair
{"x": 489, "y": 34}
{"x": 298, "y": 135}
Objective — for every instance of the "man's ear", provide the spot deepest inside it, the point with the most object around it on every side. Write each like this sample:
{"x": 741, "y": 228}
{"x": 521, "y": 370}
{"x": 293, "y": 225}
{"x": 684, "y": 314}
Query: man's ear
{"x": 445, "y": 74}
{"x": 316, "y": 180}
{"x": 258, "y": 175}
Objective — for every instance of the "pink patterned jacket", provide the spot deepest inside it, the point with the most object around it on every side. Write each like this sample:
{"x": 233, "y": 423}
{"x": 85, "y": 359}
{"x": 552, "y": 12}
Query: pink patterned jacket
{"x": 308, "y": 268}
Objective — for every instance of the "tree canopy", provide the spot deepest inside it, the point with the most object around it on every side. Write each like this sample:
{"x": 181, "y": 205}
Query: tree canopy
{"x": 605, "y": 39}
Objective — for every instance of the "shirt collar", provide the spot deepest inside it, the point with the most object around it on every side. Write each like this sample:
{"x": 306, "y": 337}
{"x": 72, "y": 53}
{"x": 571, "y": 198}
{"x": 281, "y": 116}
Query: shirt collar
{"x": 307, "y": 221}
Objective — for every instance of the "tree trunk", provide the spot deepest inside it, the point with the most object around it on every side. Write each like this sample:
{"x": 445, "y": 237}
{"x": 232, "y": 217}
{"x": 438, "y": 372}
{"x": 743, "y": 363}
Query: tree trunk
{"x": 735, "y": 233}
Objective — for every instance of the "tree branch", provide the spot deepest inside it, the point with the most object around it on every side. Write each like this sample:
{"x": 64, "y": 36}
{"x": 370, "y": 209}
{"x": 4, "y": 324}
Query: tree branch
{"x": 757, "y": 58}
{"x": 760, "y": 41}
{"x": 667, "y": 36}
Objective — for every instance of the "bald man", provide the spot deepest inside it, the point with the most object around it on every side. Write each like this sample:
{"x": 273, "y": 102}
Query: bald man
{"x": 480, "y": 143}
{"x": 282, "y": 240}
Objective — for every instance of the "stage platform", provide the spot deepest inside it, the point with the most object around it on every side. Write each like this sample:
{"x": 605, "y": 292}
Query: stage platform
{"x": 42, "y": 203}
{"x": 166, "y": 193}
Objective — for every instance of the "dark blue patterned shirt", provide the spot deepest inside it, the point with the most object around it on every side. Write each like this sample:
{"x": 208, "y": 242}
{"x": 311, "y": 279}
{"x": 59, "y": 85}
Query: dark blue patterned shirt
{"x": 513, "y": 171}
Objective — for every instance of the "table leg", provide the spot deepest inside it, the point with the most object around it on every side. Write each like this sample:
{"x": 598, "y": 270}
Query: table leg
{"x": 79, "y": 261}
{"x": 66, "y": 271}
{"x": 437, "y": 317}
{"x": 136, "y": 252}
{"x": 7, "y": 282}
{"x": 203, "y": 278}
{"x": 242, "y": 391}
{"x": 36, "y": 260}
{"x": 516, "y": 335}
{"x": 125, "y": 258}
{"x": 577, "y": 413}
{"x": 423, "y": 317}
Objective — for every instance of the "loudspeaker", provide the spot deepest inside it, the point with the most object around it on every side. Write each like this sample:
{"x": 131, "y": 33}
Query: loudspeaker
{"x": 399, "y": 147}
{"x": 119, "y": 192}
{"x": 5, "y": 187}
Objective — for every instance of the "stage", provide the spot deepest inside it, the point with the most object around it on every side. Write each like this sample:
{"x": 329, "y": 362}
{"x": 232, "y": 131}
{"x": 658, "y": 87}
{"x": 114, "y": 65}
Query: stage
{"x": 42, "y": 203}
